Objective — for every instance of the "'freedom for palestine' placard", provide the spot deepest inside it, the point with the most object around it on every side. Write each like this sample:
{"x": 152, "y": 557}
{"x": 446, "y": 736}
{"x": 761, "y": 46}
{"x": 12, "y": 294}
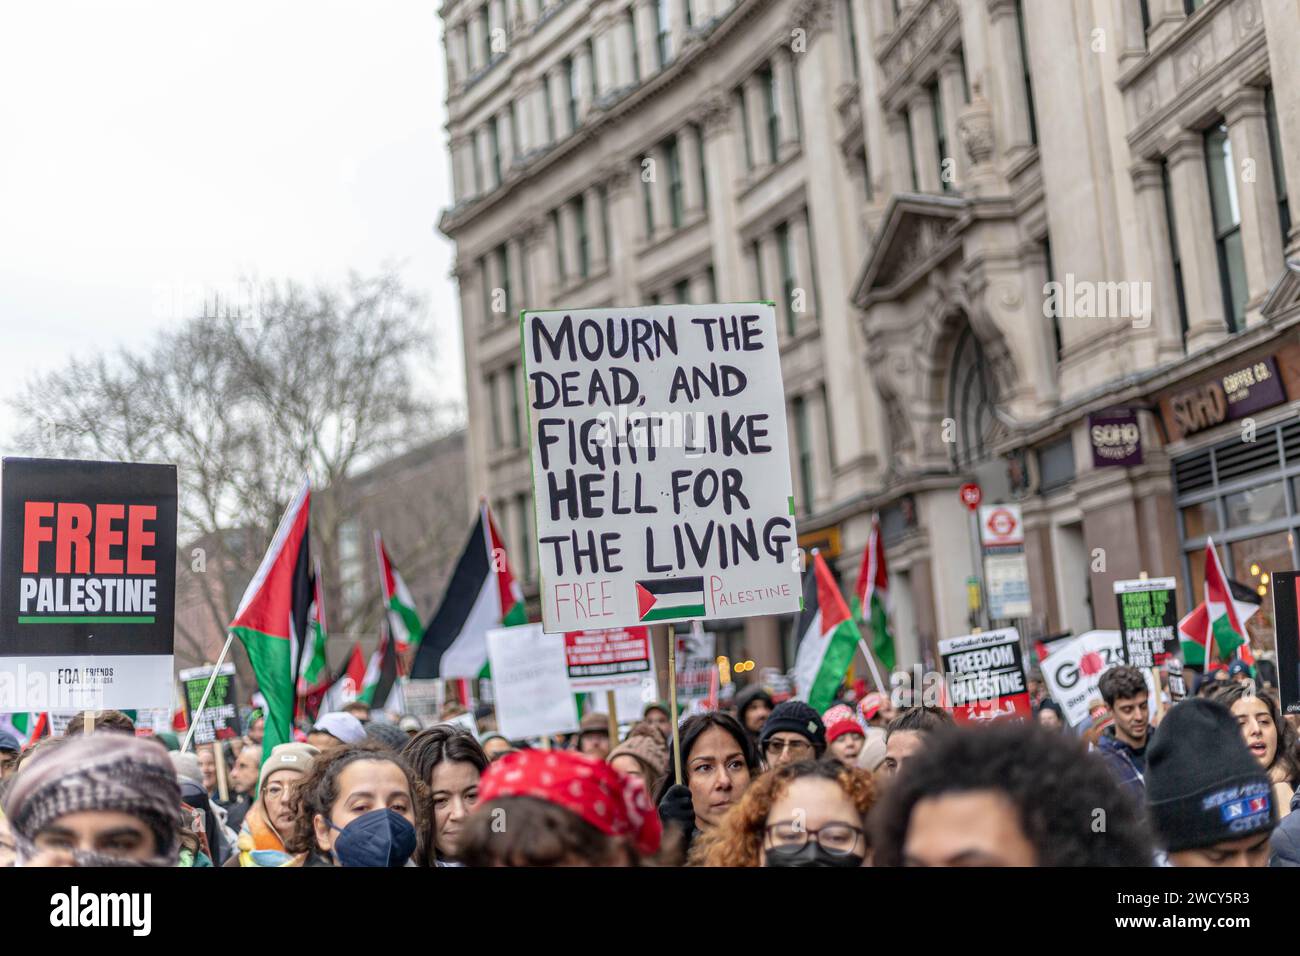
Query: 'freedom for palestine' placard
{"x": 661, "y": 464}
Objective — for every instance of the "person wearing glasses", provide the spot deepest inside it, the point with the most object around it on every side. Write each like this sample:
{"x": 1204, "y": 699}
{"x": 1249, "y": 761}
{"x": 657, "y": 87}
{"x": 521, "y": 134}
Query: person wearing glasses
{"x": 807, "y": 813}
{"x": 269, "y": 820}
{"x": 793, "y": 732}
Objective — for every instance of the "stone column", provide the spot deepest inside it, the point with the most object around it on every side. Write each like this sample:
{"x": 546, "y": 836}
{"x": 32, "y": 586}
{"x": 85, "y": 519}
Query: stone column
{"x": 458, "y": 188}
{"x": 519, "y": 293}
{"x": 1134, "y": 42}
{"x": 952, "y": 94}
{"x": 925, "y": 147}
{"x": 538, "y": 98}
{"x": 608, "y": 68}
{"x": 783, "y": 79}
{"x": 591, "y": 208}
{"x": 700, "y": 291}
{"x": 678, "y": 28}
{"x": 1282, "y": 26}
{"x": 771, "y": 258}
{"x": 582, "y": 67}
{"x": 801, "y": 253}
{"x": 1149, "y": 190}
{"x": 569, "y": 223}
{"x": 718, "y": 119}
{"x": 756, "y": 121}
{"x": 1006, "y": 78}
{"x": 900, "y": 155}
{"x": 629, "y": 71}
{"x": 1042, "y": 354}
{"x": 557, "y": 88}
{"x": 646, "y": 34}
{"x": 1261, "y": 227}
{"x": 532, "y": 10}
{"x": 688, "y": 154}
{"x": 659, "y": 193}
{"x": 1194, "y": 223}
{"x": 621, "y": 191}
{"x": 505, "y": 141}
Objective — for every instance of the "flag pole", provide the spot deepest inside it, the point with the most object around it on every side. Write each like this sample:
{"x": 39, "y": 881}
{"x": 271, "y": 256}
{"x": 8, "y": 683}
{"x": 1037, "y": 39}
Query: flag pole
{"x": 871, "y": 662}
{"x": 612, "y": 703}
{"x": 203, "y": 701}
{"x": 672, "y": 702}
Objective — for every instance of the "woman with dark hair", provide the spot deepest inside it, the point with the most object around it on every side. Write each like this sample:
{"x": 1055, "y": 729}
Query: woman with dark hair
{"x": 719, "y": 759}
{"x": 1007, "y": 795}
{"x": 449, "y": 761}
{"x": 558, "y": 808}
{"x": 1271, "y": 739}
{"x": 811, "y": 813}
{"x": 358, "y": 805}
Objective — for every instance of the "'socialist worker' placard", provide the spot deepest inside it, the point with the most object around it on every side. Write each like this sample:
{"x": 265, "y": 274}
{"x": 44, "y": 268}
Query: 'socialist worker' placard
{"x": 87, "y": 584}
{"x": 660, "y": 464}
{"x": 985, "y": 676}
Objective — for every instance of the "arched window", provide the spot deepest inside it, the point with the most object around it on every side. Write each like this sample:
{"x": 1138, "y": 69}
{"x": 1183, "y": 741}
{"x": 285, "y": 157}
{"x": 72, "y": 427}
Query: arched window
{"x": 971, "y": 399}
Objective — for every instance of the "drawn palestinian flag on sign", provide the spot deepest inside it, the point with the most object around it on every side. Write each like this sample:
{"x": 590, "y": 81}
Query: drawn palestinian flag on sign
{"x": 670, "y": 599}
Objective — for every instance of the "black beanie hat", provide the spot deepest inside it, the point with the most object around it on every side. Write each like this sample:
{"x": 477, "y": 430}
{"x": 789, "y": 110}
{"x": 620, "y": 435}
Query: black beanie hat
{"x": 796, "y": 717}
{"x": 747, "y": 696}
{"x": 1203, "y": 784}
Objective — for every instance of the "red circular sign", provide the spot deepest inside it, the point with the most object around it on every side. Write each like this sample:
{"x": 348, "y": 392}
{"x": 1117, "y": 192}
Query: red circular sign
{"x": 971, "y": 496}
{"x": 1001, "y": 523}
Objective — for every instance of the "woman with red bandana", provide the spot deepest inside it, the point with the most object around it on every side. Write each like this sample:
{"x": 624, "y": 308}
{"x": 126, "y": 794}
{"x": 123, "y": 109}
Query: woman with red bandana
{"x": 557, "y": 808}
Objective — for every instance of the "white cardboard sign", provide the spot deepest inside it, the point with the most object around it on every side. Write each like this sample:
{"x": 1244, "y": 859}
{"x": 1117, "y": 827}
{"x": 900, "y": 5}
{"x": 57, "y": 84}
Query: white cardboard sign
{"x": 530, "y": 679}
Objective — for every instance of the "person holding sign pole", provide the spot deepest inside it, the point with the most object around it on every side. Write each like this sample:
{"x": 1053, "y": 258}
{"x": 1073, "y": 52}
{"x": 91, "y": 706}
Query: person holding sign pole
{"x": 718, "y": 762}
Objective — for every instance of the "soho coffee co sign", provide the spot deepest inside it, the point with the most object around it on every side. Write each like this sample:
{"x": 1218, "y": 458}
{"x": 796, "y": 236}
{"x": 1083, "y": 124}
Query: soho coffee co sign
{"x": 1239, "y": 391}
{"x": 1115, "y": 438}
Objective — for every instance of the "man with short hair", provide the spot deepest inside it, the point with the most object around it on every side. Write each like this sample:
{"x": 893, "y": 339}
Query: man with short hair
{"x": 908, "y": 733}
{"x": 753, "y": 707}
{"x": 10, "y": 752}
{"x": 1210, "y": 800}
{"x": 243, "y": 784}
{"x": 1123, "y": 745}
{"x": 792, "y": 732}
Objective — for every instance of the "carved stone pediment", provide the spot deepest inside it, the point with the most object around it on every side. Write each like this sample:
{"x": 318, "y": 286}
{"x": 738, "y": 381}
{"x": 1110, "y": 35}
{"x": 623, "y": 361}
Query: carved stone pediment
{"x": 1284, "y": 299}
{"x": 916, "y": 231}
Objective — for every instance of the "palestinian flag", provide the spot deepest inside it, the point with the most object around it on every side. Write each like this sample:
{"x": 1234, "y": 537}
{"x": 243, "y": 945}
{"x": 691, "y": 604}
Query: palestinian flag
{"x": 1222, "y": 624}
{"x": 345, "y": 687}
{"x": 31, "y": 727}
{"x": 670, "y": 599}
{"x": 872, "y": 592}
{"x": 828, "y": 638}
{"x": 382, "y": 672}
{"x": 403, "y": 619}
{"x": 273, "y": 613}
{"x": 314, "y": 671}
{"x": 482, "y": 595}
{"x": 1192, "y": 628}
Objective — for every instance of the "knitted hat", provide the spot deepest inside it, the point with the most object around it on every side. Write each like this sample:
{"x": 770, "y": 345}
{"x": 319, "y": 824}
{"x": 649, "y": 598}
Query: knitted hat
{"x": 839, "y": 720}
{"x": 870, "y": 705}
{"x": 390, "y": 735}
{"x": 646, "y": 742}
{"x": 341, "y": 726}
{"x": 796, "y": 717}
{"x": 104, "y": 771}
{"x": 286, "y": 757}
{"x": 1203, "y": 784}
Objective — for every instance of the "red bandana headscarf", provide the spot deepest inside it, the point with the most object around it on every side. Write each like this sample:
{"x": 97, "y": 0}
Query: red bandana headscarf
{"x": 612, "y": 803}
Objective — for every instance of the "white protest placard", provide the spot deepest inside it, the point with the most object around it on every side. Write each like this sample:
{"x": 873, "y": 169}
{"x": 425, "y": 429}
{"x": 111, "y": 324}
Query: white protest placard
{"x": 661, "y": 464}
{"x": 1074, "y": 669}
{"x": 530, "y": 677}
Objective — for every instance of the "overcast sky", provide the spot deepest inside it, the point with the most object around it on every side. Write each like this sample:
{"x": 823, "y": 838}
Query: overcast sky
{"x": 149, "y": 148}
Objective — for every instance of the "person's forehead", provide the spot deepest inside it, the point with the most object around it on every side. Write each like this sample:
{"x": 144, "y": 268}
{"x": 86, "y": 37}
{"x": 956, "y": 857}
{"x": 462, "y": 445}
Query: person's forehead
{"x": 95, "y": 822}
{"x": 953, "y": 823}
{"x": 373, "y": 776}
{"x": 788, "y": 735}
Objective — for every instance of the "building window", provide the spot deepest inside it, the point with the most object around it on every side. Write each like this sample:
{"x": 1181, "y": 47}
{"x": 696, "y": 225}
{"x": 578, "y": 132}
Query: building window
{"x": 603, "y": 197}
{"x": 674, "y": 181}
{"x": 494, "y": 136}
{"x": 584, "y": 243}
{"x": 558, "y": 231}
{"x": 636, "y": 54}
{"x": 756, "y": 254}
{"x": 971, "y": 400}
{"x": 1024, "y": 65}
{"x": 713, "y": 285}
{"x": 770, "y": 102}
{"x": 1191, "y": 6}
{"x": 473, "y": 164}
{"x": 525, "y": 538}
{"x": 512, "y": 374}
{"x": 1173, "y": 248}
{"x": 487, "y": 36}
{"x": 592, "y": 84}
{"x": 1279, "y": 170}
{"x": 550, "y": 108}
{"x": 525, "y": 287}
{"x": 571, "y": 85}
{"x": 868, "y": 192}
{"x": 911, "y": 152}
{"x": 699, "y": 159}
{"x": 503, "y": 270}
{"x": 1146, "y": 19}
{"x": 744, "y": 127}
{"x": 1227, "y": 224}
{"x": 690, "y": 15}
{"x": 514, "y": 132}
{"x": 799, "y": 412}
{"x": 787, "y": 276}
{"x": 682, "y": 293}
{"x": 940, "y": 136}
{"x": 663, "y": 24}
{"x": 647, "y": 195}
{"x": 851, "y": 36}
{"x": 494, "y": 410}
{"x": 965, "y": 83}
{"x": 485, "y": 282}
{"x": 830, "y": 432}
{"x": 464, "y": 39}
{"x": 1051, "y": 277}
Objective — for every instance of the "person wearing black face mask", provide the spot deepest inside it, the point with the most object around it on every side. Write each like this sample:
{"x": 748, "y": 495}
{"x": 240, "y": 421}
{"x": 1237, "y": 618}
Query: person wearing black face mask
{"x": 359, "y": 805}
{"x": 810, "y": 813}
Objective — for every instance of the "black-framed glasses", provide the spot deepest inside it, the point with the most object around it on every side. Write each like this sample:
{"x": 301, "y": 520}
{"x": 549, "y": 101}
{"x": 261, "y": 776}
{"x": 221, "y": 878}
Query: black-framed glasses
{"x": 837, "y": 838}
{"x": 796, "y": 748}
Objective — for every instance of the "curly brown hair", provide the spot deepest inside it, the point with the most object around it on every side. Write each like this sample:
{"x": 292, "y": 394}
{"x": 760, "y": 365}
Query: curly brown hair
{"x": 319, "y": 788}
{"x": 737, "y": 840}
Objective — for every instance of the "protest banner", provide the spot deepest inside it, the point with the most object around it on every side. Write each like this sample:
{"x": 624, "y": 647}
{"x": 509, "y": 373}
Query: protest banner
{"x": 607, "y": 659}
{"x": 660, "y": 463}
{"x": 1177, "y": 680}
{"x": 530, "y": 677}
{"x": 152, "y": 720}
{"x": 985, "y": 676}
{"x": 87, "y": 584}
{"x": 219, "y": 719}
{"x": 1286, "y": 591}
{"x": 697, "y": 664}
{"x": 1074, "y": 668}
{"x": 1148, "y": 620}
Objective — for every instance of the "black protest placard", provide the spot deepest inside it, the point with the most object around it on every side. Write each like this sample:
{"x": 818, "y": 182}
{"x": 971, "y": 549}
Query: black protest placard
{"x": 219, "y": 719}
{"x": 661, "y": 465}
{"x": 1148, "y": 620}
{"x": 984, "y": 675}
{"x": 1286, "y": 592}
{"x": 87, "y": 583}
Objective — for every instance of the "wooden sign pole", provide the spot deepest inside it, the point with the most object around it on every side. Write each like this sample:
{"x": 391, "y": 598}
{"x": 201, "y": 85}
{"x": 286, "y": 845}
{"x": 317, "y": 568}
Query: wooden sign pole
{"x": 672, "y": 702}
